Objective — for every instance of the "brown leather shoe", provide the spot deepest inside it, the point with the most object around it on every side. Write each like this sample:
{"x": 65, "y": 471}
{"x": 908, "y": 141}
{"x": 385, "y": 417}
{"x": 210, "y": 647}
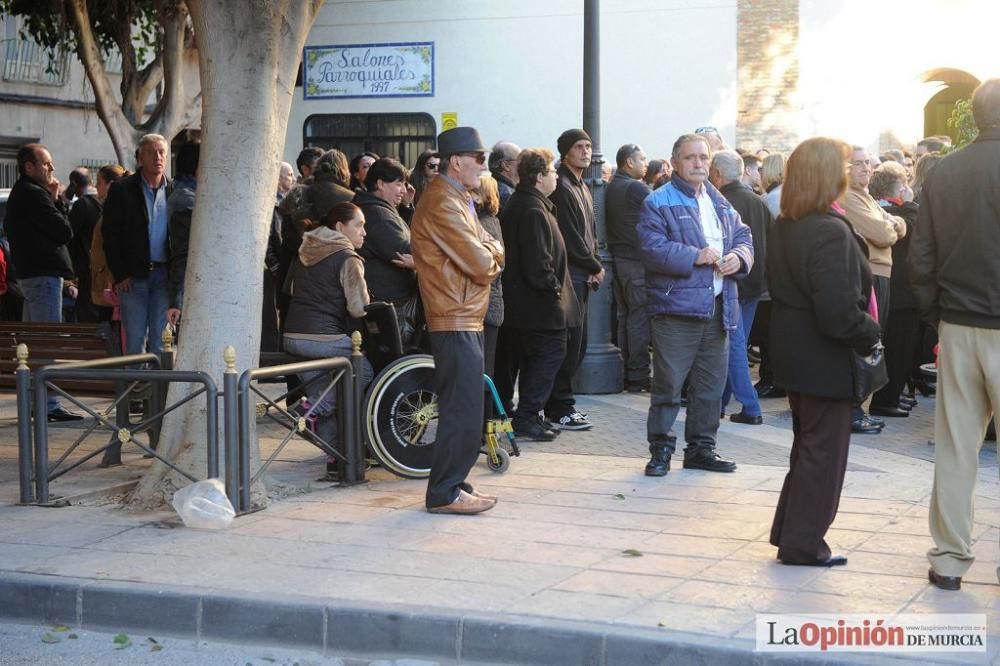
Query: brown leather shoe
{"x": 464, "y": 504}
{"x": 944, "y": 582}
{"x": 476, "y": 493}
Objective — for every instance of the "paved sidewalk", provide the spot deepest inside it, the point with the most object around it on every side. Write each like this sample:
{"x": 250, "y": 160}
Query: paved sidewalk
{"x": 584, "y": 560}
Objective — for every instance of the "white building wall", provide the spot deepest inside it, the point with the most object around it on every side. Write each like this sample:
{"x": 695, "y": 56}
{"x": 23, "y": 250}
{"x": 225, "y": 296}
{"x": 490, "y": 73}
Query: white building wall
{"x": 73, "y": 135}
{"x": 514, "y": 68}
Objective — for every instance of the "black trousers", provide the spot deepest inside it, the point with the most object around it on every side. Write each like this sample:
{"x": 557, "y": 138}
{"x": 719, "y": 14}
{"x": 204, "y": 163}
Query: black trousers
{"x": 490, "y": 334}
{"x": 540, "y": 354}
{"x": 811, "y": 492}
{"x": 759, "y": 334}
{"x": 458, "y": 382}
{"x": 562, "y": 402}
{"x": 901, "y": 337}
{"x": 881, "y": 286}
{"x": 505, "y": 366}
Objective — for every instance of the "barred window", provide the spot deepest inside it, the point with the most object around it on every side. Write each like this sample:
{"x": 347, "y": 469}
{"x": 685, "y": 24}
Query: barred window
{"x": 400, "y": 135}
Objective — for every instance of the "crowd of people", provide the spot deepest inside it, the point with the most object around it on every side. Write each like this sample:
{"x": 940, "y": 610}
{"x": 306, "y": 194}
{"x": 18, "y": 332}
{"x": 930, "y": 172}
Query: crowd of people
{"x": 721, "y": 259}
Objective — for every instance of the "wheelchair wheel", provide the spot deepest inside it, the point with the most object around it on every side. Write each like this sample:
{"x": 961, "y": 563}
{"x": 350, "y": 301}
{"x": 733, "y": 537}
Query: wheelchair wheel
{"x": 502, "y": 464}
{"x": 401, "y": 416}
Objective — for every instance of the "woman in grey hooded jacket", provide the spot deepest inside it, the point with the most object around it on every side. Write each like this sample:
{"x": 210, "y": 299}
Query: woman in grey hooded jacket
{"x": 328, "y": 294}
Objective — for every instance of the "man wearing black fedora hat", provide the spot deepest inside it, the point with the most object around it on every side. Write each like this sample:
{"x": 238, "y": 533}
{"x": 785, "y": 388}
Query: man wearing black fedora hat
{"x": 456, "y": 261}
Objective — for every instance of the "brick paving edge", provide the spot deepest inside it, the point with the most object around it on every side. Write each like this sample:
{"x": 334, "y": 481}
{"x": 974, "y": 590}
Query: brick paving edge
{"x": 383, "y": 630}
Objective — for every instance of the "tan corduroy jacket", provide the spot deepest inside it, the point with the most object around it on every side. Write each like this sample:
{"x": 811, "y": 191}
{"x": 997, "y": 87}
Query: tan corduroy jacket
{"x": 456, "y": 258}
{"x": 879, "y": 229}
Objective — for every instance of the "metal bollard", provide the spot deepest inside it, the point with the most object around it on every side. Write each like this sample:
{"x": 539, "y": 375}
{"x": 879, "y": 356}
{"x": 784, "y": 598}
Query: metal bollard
{"x": 231, "y": 416}
{"x": 158, "y": 392}
{"x": 41, "y": 443}
{"x": 354, "y": 447}
{"x": 25, "y": 454}
{"x": 243, "y": 440}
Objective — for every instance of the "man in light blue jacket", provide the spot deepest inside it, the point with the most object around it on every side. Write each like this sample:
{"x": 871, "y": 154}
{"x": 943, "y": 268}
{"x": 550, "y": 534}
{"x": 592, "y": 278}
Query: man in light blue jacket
{"x": 694, "y": 247}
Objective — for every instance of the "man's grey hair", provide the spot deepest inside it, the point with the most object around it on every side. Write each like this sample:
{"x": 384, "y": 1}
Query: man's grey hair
{"x": 986, "y": 104}
{"x": 675, "y": 153}
{"x": 502, "y": 151}
{"x": 152, "y": 138}
{"x": 893, "y": 154}
{"x": 887, "y": 180}
{"x": 729, "y": 164}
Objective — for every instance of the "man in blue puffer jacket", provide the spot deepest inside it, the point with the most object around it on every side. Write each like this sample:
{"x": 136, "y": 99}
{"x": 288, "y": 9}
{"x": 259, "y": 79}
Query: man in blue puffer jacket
{"x": 694, "y": 247}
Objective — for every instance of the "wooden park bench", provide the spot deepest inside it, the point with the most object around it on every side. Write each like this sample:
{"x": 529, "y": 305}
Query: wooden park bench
{"x": 50, "y": 343}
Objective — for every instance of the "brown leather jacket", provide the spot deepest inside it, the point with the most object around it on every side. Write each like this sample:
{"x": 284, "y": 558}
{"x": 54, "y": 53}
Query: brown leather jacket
{"x": 456, "y": 258}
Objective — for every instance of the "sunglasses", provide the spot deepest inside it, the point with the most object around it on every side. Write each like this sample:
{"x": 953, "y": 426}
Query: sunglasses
{"x": 706, "y": 130}
{"x": 479, "y": 157}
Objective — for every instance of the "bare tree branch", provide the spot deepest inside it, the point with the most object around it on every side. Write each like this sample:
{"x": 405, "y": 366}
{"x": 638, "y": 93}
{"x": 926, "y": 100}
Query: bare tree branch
{"x": 92, "y": 59}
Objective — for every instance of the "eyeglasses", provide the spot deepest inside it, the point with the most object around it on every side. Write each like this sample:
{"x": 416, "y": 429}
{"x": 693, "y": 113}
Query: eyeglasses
{"x": 479, "y": 157}
{"x": 862, "y": 163}
{"x": 706, "y": 130}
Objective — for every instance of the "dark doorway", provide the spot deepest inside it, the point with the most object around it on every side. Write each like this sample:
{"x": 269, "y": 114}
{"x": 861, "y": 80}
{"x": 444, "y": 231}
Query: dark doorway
{"x": 400, "y": 135}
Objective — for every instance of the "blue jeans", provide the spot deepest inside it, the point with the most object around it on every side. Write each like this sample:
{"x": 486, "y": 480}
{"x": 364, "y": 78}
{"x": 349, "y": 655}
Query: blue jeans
{"x": 326, "y": 425}
{"x": 42, "y": 302}
{"x": 738, "y": 383}
{"x": 144, "y": 311}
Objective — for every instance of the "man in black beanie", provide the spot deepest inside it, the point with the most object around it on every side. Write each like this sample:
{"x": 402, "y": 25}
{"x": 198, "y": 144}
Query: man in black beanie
{"x": 575, "y": 213}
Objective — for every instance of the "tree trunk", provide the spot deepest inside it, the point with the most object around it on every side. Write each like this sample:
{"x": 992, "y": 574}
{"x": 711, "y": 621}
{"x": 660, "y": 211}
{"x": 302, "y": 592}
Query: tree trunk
{"x": 249, "y": 53}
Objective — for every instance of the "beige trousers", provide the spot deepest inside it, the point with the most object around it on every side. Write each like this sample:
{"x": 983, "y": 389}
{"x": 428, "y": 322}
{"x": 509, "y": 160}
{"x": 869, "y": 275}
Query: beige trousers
{"x": 968, "y": 393}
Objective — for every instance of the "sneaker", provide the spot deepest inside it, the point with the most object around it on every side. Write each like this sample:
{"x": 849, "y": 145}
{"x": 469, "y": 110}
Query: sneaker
{"x": 575, "y": 421}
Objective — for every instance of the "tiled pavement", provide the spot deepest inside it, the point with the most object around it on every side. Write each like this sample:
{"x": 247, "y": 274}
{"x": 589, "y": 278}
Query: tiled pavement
{"x": 580, "y": 537}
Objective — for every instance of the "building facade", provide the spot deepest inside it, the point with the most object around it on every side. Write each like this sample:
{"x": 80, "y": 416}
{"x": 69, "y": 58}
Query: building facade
{"x": 389, "y": 76}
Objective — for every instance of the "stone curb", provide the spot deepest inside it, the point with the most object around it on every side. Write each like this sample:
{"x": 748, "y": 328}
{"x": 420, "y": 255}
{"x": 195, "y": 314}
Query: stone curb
{"x": 372, "y": 630}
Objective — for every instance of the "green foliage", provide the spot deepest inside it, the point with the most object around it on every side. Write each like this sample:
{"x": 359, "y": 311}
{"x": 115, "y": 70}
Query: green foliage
{"x": 962, "y": 124}
{"x": 47, "y": 23}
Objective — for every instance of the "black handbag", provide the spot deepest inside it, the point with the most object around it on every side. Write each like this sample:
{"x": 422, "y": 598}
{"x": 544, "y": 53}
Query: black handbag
{"x": 869, "y": 373}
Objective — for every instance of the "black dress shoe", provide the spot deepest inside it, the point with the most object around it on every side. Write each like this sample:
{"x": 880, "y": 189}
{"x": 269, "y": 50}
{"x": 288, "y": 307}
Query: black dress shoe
{"x": 832, "y": 561}
{"x": 534, "y": 431}
{"x": 658, "y": 465}
{"x": 903, "y": 400}
{"x": 710, "y": 462}
{"x": 864, "y": 426}
{"x": 740, "y": 417}
{"x": 62, "y": 414}
{"x": 944, "y": 582}
{"x": 765, "y": 390}
{"x": 891, "y": 412}
{"x": 637, "y": 387}
{"x": 908, "y": 406}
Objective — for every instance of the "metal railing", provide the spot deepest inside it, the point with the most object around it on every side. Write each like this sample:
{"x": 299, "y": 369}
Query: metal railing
{"x": 344, "y": 379}
{"x": 35, "y": 472}
{"x": 34, "y": 387}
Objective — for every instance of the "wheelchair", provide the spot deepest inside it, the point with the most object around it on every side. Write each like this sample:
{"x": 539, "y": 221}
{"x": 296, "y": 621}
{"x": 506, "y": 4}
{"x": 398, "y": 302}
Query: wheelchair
{"x": 399, "y": 411}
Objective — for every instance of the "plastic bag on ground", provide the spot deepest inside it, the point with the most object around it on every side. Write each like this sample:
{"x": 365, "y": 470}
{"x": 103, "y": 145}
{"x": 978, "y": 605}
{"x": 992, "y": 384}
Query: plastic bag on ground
{"x": 204, "y": 505}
